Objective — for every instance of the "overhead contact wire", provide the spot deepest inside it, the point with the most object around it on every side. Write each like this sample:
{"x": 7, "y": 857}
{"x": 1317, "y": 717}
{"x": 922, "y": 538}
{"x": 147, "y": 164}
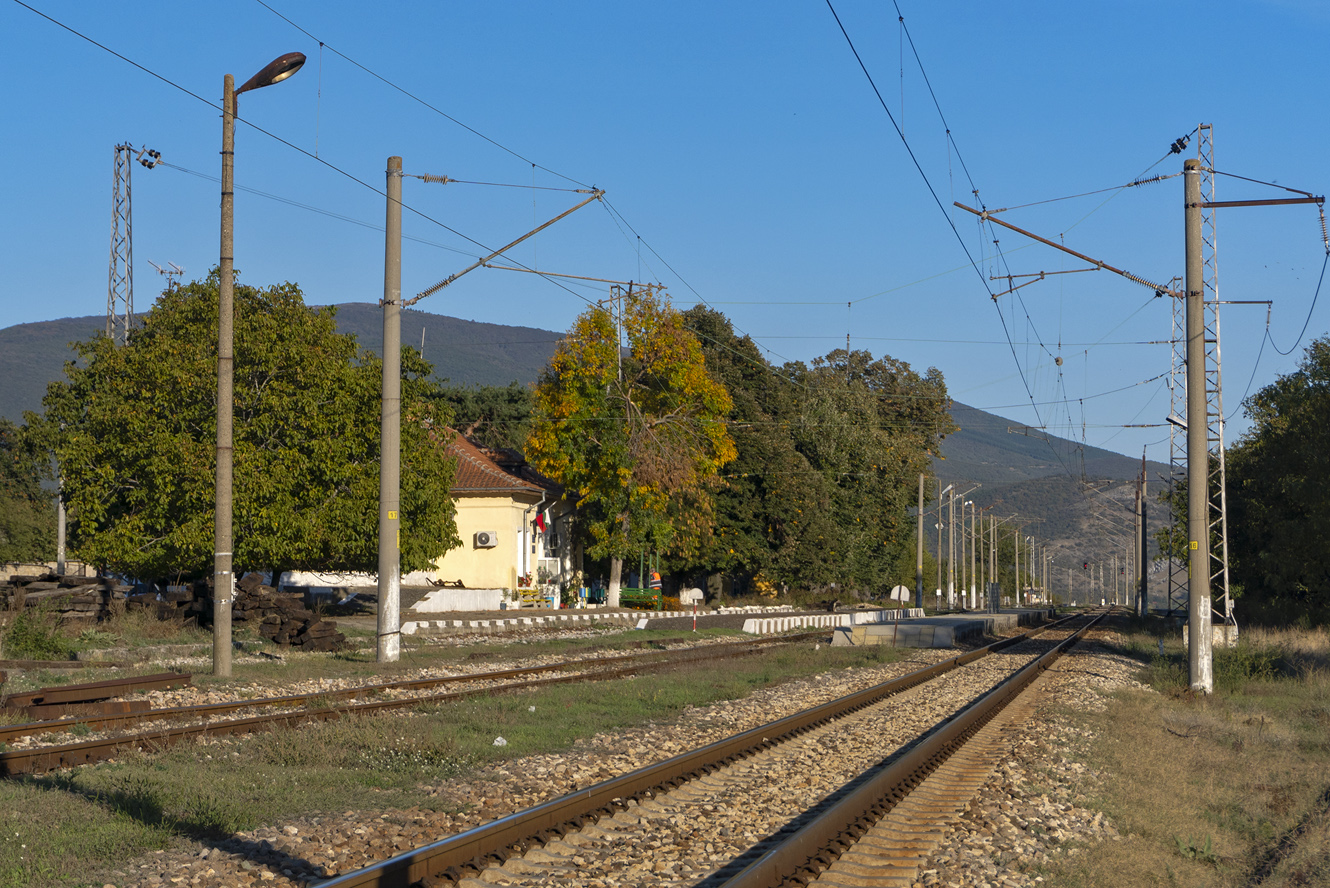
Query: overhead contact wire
{"x": 418, "y": 99}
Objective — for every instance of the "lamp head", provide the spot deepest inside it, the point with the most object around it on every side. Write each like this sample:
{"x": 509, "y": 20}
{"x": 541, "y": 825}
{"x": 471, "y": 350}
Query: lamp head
{"x": 275, "y": 71}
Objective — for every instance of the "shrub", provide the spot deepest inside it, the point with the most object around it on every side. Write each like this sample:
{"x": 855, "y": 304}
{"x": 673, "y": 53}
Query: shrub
{"x": 1236, "y": 666}
{"x": 34, "y": 634}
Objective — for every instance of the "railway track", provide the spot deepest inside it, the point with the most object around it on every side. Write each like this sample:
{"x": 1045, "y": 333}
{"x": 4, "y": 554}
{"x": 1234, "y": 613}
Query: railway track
{"x": 776, "y": 805}
{"x": 190, "y": 722}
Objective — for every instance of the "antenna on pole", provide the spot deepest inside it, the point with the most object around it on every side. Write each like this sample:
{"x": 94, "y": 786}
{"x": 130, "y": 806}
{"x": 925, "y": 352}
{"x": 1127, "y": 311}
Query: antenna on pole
{"x": 120, "y": 272}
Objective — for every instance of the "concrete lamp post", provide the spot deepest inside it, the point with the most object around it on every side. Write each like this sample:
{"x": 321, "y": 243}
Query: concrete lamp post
{"x": 223, "y": 589}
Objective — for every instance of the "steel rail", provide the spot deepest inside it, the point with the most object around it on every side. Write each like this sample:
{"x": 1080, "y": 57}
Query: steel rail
{"x": 496, "y": 840}
{"x": 96, "y": 690}
{"x": 808, "y": 852}
{"x": 40, "y": 759}
{"x": 112, "y": 720}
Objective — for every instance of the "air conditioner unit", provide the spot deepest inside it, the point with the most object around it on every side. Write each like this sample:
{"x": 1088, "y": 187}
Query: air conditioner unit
{"x": 487, "y": 539}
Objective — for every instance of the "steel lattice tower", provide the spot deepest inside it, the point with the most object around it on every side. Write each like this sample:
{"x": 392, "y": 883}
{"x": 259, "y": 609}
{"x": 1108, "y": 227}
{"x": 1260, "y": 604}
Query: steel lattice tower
{"x": 120, "y": 276}
{"x": 1177, "y": 448}
{"x": 1217, "y": 520}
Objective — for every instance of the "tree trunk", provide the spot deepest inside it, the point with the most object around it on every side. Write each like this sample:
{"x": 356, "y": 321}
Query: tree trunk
{"x": 616, "y": 579}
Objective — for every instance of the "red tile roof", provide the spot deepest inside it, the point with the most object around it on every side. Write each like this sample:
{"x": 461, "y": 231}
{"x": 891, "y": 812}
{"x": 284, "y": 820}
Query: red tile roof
{"x": 477, "y": 473}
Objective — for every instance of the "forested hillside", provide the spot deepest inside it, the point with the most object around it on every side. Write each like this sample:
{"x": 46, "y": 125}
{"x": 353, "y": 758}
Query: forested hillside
{"x": 1079, "y": 501}
{"x": 462, "y": 352}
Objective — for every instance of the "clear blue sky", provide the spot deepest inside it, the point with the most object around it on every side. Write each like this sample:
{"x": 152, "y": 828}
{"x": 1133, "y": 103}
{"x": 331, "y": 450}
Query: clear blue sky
{"x": 741, "y": 141}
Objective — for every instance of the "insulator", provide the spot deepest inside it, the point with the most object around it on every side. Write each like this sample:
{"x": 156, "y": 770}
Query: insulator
{"x": 1325, "y": 239}
{"x": 1134, "y": 182}
{"x": 438, "y": 180}
{"x": 1140, "y": 280}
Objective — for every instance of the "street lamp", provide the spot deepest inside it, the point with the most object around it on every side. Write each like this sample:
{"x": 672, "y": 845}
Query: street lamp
{"x": 223, "y": 589}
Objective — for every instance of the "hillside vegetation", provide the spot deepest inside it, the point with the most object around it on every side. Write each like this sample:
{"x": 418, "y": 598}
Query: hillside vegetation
{"x": 1080, "y": 500}
{"x": 462, "y": 352}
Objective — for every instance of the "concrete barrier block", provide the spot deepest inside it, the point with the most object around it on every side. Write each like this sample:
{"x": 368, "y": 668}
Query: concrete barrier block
{"x": 1218, "y": 637}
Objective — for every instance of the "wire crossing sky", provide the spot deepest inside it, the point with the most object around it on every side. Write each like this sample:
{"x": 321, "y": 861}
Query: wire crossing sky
{"x": 747, "y": 162}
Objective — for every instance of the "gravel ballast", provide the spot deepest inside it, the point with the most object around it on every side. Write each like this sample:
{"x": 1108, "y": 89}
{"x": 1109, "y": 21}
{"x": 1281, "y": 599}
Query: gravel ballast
{"x": 1005, "y": 833}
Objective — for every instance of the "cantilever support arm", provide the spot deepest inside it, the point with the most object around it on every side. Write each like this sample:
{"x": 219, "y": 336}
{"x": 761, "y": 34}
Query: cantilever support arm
{"x": 597, "y": 194}
{"x": 989, "y": 217}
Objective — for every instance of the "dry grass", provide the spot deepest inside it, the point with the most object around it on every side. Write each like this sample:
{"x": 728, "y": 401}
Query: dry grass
{"x": 1307, "y": 649}
{"x": 1205, "y": 789}
{"x": 141, "y": 626}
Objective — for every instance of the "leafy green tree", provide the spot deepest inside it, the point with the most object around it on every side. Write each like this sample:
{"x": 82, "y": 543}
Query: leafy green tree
{"x": 1279, "y": 491}
{"x": 1173, "y": 535}
{"x": 869, "y": 427}
{"x": 637, "y": 437}
{"x": 27, "y": 512}
{"x": 772, "y": 512}
{"x": 496, "y": 416}
{"x": 137, "y": 448}
{"x": 827, "y": 467}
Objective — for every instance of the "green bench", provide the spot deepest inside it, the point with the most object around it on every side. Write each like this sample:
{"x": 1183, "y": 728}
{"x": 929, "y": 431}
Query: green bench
{"x": 640, "y": 599}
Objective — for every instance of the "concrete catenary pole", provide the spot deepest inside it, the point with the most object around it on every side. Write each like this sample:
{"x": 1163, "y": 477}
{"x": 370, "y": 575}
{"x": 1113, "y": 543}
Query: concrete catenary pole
{"x": 223, "y": 582}
{"x": 951, "y": 550}
{"x": 983, "y": 558}
{"x": 960, "y": 569}
{"x": 1143, "y": 599}
{"x": 974, "y": 559}
{"x": 993, "y": 561}
{"x": 1136, "y": 545}
{"x": 60, "y": 529}
{"x": 938, "y": 592}
{"x": 992, "y": 558}
{"x": 1200, "y": 666}
{"x": 1016, "y": 546}
{"x": 390, "y": 428}
{"x": 919, "y": 551}
{"x": 1043, "y": 564}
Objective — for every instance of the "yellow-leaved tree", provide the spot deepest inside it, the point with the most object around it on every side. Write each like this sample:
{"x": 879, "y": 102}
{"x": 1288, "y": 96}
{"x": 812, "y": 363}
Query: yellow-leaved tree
{"x": 635, "y": 430}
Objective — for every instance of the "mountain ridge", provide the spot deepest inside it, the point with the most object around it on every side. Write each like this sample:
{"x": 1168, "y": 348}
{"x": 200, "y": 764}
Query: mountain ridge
{"x": 34, "y": 354}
